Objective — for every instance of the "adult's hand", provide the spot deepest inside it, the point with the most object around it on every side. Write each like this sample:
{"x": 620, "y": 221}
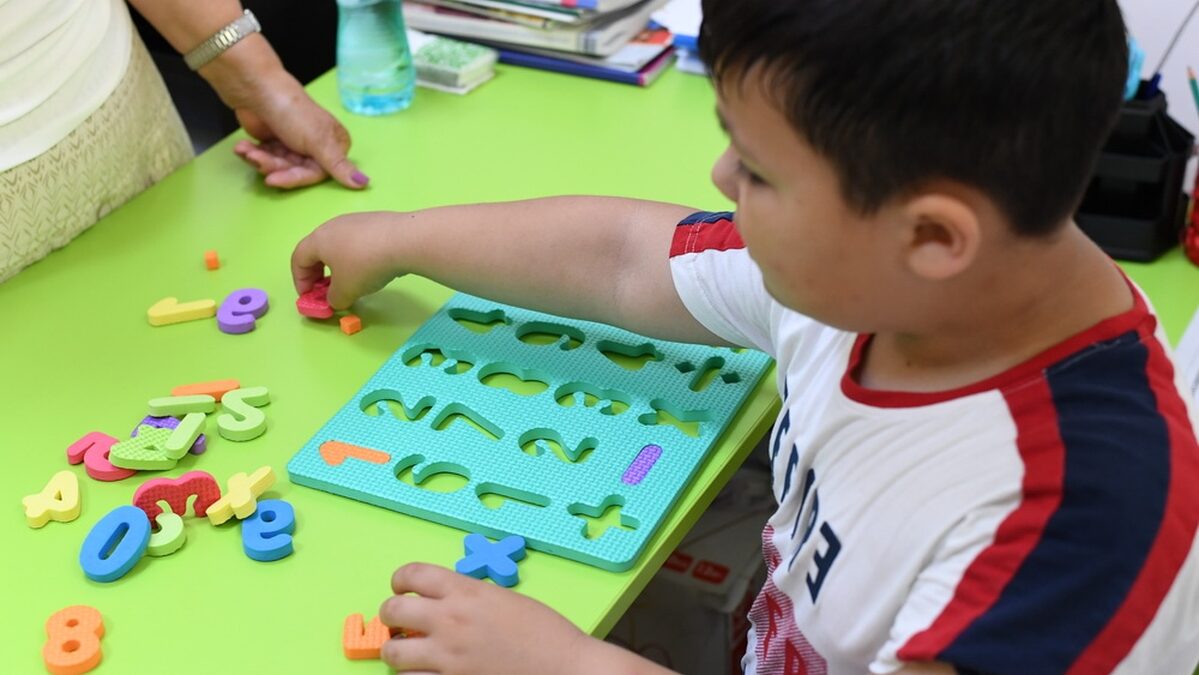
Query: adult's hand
{"x": 299, "y": 142}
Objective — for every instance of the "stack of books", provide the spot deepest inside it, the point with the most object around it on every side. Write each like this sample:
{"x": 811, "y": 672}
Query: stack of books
{"x": 450, "y": 65}
{"x": 605, "y": 39}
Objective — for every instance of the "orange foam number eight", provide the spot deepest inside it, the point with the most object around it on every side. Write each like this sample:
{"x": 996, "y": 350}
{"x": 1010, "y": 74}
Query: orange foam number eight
{"x": 74, "y": 643}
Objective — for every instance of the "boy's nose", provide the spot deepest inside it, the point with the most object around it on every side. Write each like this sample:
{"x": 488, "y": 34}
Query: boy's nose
{"x": 724, "y": 173}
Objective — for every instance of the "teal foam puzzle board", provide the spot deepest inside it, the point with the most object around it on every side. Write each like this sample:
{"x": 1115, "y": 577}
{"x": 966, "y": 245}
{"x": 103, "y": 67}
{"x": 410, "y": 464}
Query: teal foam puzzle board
{"x": 604, "y": 419}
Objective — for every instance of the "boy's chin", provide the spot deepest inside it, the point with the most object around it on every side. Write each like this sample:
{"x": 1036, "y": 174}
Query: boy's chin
{"x": 814, "y": 310}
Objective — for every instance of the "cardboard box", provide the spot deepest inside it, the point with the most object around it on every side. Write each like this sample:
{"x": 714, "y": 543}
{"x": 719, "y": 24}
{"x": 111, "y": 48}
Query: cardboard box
{"x": 692, "y": 617}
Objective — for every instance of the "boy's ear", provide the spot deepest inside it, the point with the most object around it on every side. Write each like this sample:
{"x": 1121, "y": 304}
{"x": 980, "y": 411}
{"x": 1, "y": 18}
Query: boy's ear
{"x": 942, "y": 235}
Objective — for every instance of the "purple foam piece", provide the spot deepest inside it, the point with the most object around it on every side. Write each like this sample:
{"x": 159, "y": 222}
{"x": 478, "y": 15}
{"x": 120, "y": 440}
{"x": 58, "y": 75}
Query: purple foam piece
{"x": 197, "y": 448}
{"x": 641, "y": 465}
{"x": 241, "y": 309}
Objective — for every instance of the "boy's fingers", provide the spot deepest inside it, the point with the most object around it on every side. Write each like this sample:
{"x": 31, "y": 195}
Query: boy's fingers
{"x": 430, "y": 581}
{"x": 307, "y": 268}
{"x": 411, "y": 612}
{"x": 340, "y": 296}
{"x": 409, "y": 655}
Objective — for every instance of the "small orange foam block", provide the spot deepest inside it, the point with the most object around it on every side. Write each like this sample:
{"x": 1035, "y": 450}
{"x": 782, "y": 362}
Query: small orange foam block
{"x": 363, "y": 641}
{"x": 211, "y": 260}
{"x": 215, "y": 389}
{"x": 350, "y": 324}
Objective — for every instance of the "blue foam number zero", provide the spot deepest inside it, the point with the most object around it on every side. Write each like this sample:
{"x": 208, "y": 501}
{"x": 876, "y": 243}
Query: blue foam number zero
{"x": 115, "y": 544}
{"x": 266, "y": 535}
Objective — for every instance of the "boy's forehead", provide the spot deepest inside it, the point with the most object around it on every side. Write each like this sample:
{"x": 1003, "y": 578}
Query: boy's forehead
{"x": 745, "y": 112}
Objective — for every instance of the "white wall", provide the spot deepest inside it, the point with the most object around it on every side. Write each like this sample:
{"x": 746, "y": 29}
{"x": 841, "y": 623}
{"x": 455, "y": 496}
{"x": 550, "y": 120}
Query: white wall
{"x": 1153, "y": 23}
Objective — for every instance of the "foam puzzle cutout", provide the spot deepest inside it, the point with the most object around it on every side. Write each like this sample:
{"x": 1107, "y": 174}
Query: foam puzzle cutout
{"x": 169, "y": 310}
{"x": 168, "y": 422}
{"x": 176, "y": 491}
{"x": 241, "y": 498}
{"x": 216, "y": 389}
{"x": 315, "y": 303}
{"x": 184, "y": 435}
{"x": 169, "y": 538}
{"x": 363, "y": 641}
{"x": 59, "y": 500}
{"x": 640, "y": 467}
{"x": 566, "y": 410}
{"x": 182, "y": 405}
{"x": 266, "y": 535}
{"x": 73, "y": 640}
{"x": 93, "y": 450}
{"x": 115, "y": 544}
{"x": 145, "y": 452}
{"x": 485, "y": 560}
{"x": 242, "y": 420}
{"x": 334, "y": 453}
{"x": 240, "y": 311}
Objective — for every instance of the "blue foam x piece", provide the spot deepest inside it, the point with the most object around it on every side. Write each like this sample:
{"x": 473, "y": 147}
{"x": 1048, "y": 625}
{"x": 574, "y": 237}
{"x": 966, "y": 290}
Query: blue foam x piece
{"x": 497, "y": 561}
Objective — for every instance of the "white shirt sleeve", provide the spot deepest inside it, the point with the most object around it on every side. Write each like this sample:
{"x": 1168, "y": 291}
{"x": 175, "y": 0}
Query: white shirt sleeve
{"x": 720, "y": 284}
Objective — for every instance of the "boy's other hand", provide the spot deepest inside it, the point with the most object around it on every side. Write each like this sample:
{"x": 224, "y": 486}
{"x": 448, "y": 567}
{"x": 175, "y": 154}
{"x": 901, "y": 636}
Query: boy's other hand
{"x": 471, "y": 626}
{"x": 355, "y": 248}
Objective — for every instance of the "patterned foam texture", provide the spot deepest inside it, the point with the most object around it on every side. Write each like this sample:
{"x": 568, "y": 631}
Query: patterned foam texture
{"x": 519, "y": 484}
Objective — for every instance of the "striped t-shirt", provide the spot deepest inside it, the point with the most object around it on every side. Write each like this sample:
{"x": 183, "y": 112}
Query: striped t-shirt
{"x": 1040, "y": 521}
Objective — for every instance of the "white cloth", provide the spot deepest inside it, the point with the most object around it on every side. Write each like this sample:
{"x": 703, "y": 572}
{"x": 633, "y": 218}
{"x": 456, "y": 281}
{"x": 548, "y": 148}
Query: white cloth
{"x": 1188, "y": 354}
{"x": 59, "y": 62}
{"x": 1042, "y": 521}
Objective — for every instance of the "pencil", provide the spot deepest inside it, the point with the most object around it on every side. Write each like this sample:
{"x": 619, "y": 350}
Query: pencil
{"x": 1194, "y": 85}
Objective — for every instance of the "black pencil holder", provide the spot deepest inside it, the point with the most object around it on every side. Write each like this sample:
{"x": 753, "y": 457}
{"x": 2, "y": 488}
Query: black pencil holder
{"x": 1135, "y": 206}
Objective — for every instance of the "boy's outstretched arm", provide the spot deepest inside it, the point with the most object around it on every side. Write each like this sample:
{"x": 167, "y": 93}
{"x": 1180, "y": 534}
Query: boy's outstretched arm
{"x": 595, "y": 258}
{"x": 471, "y": 626}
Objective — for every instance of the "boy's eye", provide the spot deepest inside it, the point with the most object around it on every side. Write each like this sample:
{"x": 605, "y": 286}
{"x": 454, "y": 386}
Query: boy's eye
{"x": 753, "y": 177}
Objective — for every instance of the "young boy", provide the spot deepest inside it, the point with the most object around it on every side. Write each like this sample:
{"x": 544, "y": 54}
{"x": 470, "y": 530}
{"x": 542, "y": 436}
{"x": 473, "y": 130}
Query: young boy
{"x": 984, "y": 460}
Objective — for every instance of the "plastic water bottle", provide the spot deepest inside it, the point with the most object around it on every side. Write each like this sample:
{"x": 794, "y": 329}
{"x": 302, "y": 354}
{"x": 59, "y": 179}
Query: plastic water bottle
{"x": 375, "y": 75}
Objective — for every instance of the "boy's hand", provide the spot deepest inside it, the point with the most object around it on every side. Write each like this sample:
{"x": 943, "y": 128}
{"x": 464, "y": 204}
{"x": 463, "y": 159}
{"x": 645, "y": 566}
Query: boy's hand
{"x": 471, "y": 626}
{"x": 355, "y": 247}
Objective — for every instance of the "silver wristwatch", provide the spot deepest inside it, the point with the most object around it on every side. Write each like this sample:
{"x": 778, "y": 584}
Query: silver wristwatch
{"x": 242, "y": 26}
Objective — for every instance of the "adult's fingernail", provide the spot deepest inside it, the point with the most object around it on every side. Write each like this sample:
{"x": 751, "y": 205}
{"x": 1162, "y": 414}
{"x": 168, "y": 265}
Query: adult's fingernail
{"x": 360, "y": 179}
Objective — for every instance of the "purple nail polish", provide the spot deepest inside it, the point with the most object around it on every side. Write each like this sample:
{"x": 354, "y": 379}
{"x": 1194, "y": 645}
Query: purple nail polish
{"x": 360, "y": 179}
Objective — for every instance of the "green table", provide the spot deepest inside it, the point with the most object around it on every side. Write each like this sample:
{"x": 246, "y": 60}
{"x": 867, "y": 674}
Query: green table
{"x": 78, "y": 355}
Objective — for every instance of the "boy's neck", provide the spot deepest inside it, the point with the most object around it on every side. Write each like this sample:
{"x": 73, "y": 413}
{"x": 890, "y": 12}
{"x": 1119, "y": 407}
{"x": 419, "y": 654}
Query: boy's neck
{"x": 1045, "y": 296}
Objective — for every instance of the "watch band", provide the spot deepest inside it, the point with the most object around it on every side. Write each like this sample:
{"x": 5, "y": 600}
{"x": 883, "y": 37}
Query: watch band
{"x": 242, "y": 26}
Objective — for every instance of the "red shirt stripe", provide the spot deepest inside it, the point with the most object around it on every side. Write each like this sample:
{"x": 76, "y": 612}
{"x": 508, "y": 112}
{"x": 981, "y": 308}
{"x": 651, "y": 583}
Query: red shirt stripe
{"x": 721, "y": 235}
{"x": 1043, "y": 453}
{"x": 1173, "y": 541}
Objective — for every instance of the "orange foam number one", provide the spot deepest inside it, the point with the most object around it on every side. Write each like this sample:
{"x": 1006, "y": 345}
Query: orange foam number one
{"x": 363, "y": 641}
{"x": 335, "y": 453}
{"x": 74, "y": 643}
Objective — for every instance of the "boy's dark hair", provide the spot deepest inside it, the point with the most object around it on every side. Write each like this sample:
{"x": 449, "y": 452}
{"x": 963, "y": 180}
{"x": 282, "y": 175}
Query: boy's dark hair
{"x": 1012, "y": 97}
